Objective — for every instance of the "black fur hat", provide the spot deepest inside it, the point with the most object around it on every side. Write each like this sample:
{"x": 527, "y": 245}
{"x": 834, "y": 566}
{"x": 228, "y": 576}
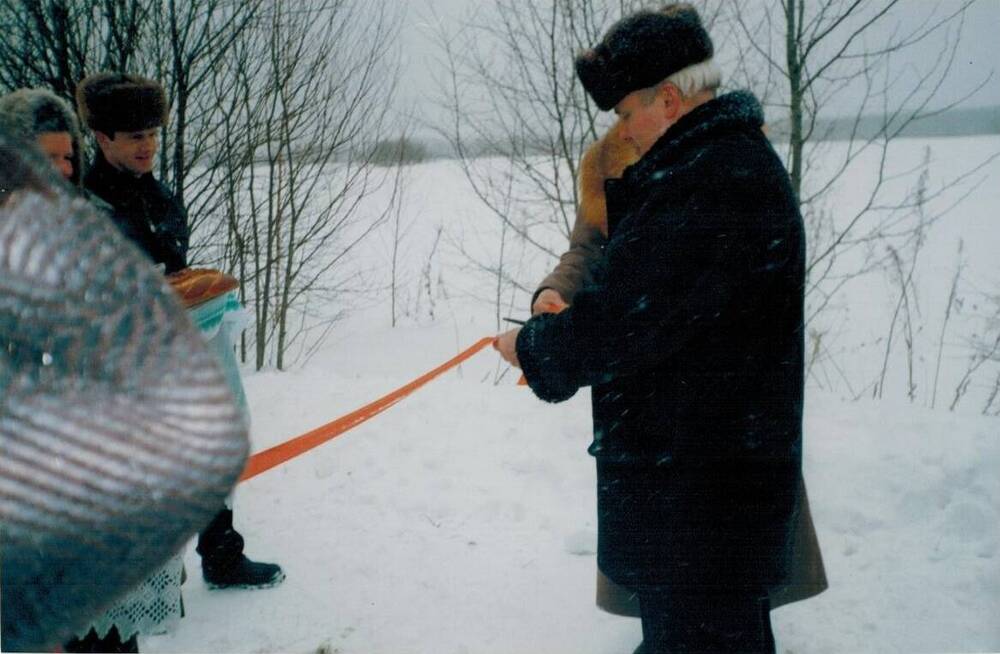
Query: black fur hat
{"x": 118, "y": 102}
{"x": 641, "y": 50}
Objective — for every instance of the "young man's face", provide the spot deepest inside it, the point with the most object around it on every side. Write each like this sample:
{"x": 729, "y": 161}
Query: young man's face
{"x": 58, "y": 147}
{"x": 134, "y": 152}
{"x": 646, "y": 114}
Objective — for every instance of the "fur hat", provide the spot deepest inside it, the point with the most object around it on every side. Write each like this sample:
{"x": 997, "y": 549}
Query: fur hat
{"x": 119, "y": 102}
{"x": 642, "y": 50}
{"x": 28, "y": 113}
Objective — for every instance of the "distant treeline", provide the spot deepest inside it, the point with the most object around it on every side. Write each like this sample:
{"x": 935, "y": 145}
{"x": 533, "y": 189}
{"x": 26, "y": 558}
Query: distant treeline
{"x": 956, "y": 122}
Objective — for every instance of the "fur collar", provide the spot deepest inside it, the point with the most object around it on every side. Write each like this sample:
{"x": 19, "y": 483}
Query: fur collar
{"x": 738, "y": 110}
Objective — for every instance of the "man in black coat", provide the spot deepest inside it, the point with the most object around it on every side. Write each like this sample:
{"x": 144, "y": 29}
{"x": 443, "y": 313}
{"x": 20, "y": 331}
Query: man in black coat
{"x": 126, "y": 113}
{"x": 692, "y": 341}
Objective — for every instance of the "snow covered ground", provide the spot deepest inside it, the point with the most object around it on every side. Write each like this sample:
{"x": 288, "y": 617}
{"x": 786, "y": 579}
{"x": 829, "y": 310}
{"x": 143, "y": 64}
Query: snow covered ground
{"x": 463, "y": 518}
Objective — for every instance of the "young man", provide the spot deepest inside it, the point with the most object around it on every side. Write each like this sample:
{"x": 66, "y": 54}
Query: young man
{"x": 692, "y": 339}
{"x": 126, "y": 113}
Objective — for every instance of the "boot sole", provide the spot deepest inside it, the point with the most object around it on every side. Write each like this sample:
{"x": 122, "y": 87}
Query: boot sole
{"x": 271, "y": 584}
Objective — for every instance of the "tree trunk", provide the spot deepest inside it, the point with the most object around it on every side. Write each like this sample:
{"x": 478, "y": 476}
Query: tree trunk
{"x": 795, "y": 95}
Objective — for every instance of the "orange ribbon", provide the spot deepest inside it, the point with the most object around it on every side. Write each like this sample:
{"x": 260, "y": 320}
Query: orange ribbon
{"x": 275, "y": 456}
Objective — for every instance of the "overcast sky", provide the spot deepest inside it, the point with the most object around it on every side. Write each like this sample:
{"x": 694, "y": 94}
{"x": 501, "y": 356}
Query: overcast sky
{"x": 979, "y": 49}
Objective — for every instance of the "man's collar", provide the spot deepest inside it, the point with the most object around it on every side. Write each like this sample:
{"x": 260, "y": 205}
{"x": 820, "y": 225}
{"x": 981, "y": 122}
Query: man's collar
{"x": 105, "y": 167}
{"x": 738, "y": 108}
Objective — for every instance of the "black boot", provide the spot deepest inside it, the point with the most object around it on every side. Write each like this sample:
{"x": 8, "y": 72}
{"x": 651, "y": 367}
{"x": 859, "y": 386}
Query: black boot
{"x": 242, "y": 573}
{"x": 223, "y": 564}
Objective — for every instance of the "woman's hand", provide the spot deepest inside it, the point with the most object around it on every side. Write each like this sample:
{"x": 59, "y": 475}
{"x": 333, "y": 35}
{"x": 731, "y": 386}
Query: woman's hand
{"x": 548, "y": 301}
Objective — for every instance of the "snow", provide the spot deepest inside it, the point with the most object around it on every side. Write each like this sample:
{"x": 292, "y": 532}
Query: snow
{"x": 463, "y": 518}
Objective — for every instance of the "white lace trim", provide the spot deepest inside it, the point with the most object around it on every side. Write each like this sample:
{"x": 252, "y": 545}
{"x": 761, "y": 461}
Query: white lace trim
{"x": 154, "y": 607}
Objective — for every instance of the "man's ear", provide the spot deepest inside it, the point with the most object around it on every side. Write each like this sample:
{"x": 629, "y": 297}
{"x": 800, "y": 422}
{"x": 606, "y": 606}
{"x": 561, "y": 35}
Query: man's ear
{"x": 673, "y": 102}
{"x": 102, "y": 138}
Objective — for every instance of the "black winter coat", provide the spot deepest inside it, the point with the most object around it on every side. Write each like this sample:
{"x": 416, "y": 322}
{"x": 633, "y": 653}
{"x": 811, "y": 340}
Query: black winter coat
{"x": 144, "y": 210}
{"x": 693, "y": 343}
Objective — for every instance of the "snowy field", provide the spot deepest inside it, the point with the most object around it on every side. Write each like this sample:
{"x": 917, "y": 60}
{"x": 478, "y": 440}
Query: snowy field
{"x": 462, "y": 520}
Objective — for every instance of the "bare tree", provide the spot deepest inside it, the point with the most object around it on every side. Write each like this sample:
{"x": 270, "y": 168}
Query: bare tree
{"x": 271, "y": 107}
{"x": 56, "y": 43}
{"x": 399, "y": 153}
{"x": 816, "y": 51}
{"x": 903, "y": 270}
{"x": 188, "y": 42}
{"x": 430, "y": 286}
{"x": 225, "y": 239}
{"x": 400, "y": 229}
{"x": 949, "y": 308}
{"x": 510, "y": 89}
{"x": 809, "y": 58}
{"x": 983, "y": 347}
{"x": 310, "y": 82}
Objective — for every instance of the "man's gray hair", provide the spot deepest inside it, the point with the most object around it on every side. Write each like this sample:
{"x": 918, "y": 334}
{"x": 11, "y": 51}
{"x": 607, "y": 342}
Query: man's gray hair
{"x": 703, "y": 76}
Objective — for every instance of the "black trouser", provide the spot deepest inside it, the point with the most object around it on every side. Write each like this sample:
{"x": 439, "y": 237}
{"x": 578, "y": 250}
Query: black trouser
{"x": 219, "y": 543}
{"x": 705, "y": 623}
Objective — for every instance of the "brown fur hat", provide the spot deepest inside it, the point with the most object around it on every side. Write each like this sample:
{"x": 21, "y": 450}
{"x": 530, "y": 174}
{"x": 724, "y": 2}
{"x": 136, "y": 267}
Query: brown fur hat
{"x": 641, "y": 50}
{"x": 119, "y": 102}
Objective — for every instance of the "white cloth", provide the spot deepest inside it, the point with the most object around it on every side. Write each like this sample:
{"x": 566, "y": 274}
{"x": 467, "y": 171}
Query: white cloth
{"x": 153, "y": 607}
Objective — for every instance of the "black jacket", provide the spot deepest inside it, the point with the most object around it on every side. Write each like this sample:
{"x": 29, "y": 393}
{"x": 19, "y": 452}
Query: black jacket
{"x": 693, "y": 340}
{"x": 145, "y": 211}
{"x": 693, "y": 343}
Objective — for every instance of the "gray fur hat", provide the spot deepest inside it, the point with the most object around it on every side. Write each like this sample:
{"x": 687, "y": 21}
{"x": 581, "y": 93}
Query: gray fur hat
{"x": 642, "y": 50}
{"x": 28, "y": 113}
{"x": 119, "y": 102}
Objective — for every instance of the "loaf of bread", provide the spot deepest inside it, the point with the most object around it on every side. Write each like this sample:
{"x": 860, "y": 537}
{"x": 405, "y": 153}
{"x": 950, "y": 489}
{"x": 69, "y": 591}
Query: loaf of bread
{"x": 195, "y": 286}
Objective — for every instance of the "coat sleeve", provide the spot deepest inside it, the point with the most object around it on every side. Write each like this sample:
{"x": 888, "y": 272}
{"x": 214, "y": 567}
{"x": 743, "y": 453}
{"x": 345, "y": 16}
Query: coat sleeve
{"x": 172, "y": 238}
{"x": 576, "y": 266}
{"x": 603, "y": 160}
{"x": 667, "y": 281}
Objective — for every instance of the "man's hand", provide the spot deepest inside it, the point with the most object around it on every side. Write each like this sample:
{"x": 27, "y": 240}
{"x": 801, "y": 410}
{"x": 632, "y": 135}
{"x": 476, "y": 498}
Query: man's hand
{"x": 548, "y": 301}
{"x": 506, "y": 345}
